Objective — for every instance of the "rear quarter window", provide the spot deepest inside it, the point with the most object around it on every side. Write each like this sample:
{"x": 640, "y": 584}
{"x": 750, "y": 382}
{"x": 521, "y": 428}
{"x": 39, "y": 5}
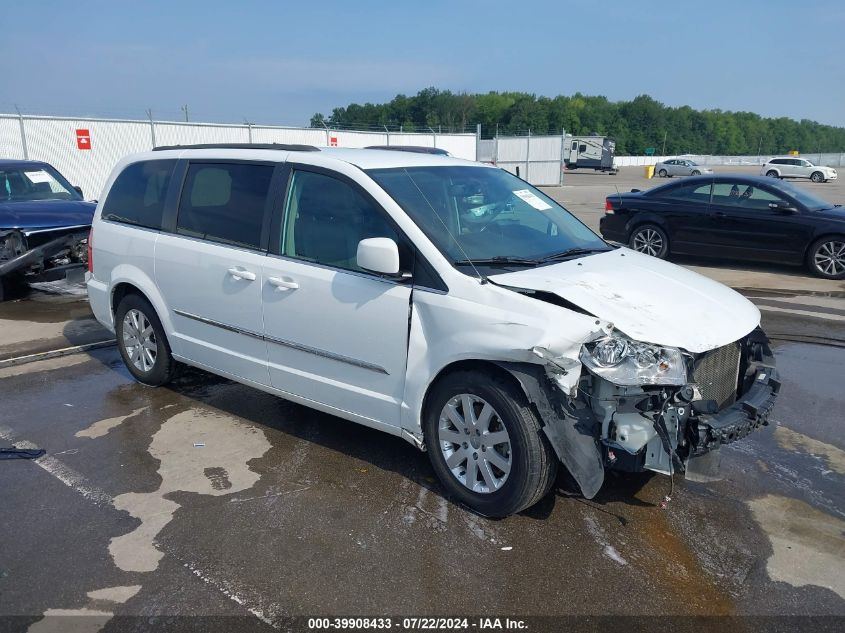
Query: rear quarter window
{"x": 138, "y": 194}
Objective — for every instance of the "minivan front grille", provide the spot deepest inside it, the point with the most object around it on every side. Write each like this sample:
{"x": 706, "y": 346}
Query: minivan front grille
{"x": 717, "y": 374}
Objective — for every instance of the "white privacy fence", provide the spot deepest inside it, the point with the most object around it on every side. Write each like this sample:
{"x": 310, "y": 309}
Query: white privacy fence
{"x": 537, "y": 159}
{"x": 85, "y": 150}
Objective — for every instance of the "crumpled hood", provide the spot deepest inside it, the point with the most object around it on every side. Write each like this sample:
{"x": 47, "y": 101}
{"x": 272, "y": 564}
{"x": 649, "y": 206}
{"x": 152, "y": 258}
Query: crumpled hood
{"x": 646, "y": 298}
{"x": 42, "y": 214}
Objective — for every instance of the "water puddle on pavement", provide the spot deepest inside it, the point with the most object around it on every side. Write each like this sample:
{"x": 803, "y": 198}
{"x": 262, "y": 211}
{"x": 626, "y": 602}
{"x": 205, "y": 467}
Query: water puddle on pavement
{"x": 794, "y": 441}
{"x": 202, "y": 452}
{"x": 808, "y": 545}
{"x": 95, "y": 612}
{"x": 102, "y": 427}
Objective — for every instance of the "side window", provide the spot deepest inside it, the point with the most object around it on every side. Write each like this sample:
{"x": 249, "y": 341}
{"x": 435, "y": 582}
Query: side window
{"x": 757, "y": 199}
{"x": 583, "y": 148}
{"x": 225, "y": 202}
{"x": 575, "y": 146}
{"x": 689, "y": 193}
{"x": 325, "y": 218}
{"x": 776, "y": 161}
{"x": 138, "y": 194}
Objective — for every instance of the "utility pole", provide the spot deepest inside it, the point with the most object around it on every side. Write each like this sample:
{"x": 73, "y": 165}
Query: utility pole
{"x": 184, "y": 109}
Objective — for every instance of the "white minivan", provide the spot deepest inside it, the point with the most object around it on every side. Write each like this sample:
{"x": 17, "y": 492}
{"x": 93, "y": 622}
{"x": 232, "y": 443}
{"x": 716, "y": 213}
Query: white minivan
{"x": 440, "y": 300}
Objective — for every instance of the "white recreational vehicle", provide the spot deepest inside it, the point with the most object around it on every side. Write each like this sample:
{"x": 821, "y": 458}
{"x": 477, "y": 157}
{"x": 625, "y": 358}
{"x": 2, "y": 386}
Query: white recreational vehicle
{"x": 589, "y": 152}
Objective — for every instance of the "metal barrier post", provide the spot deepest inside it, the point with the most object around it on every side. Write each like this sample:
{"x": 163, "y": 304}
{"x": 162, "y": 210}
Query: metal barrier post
{"x": 23, "y": 134}
{"x": 152, "y": 126}
{"x": 528, "y": 156}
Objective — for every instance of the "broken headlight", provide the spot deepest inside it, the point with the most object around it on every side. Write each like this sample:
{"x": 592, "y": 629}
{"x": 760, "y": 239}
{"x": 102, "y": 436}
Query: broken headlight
{"x": 11, "y": 245}
{"x": 629, "y": 363}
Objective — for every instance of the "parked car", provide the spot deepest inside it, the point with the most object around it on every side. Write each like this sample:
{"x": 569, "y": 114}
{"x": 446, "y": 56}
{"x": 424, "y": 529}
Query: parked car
{"x": 731, "y": 217}
{"x": 439, "y": 300}
{"x": 419, "y": 149}
{"x": 680, "y": 167}
{"x": 44, "y": 224}
{"x": 794, "y": 167}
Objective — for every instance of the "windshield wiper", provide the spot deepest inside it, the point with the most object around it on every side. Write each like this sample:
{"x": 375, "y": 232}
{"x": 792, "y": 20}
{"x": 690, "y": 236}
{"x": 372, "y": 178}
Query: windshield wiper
{"x": 572, "y": 252}
{"x": 498, "y": 259}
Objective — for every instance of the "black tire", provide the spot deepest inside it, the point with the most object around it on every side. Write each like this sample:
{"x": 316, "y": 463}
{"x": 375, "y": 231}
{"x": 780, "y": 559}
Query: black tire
{"x": 826, "y": 257}
{"x": 772, "y": 174}
{"x": 164, "y": 367}
{"x": 663, "y": 173}
{"x": 817, "y": 176}
{"x": 695, "y": 172}
{"x": 646, "y": 234}
{"x": 533, "y": 465}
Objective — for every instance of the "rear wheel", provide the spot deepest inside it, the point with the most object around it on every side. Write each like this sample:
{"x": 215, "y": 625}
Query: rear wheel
{"x": 650, "y": 239}
{"x": 486, "y": 444}
{"x": 817, "y": 176}
{"x": 826, "y": 257}
{"x": 663, "y": 173}
{"x": 142, "y": 342}
{"x": 772, "y": 174}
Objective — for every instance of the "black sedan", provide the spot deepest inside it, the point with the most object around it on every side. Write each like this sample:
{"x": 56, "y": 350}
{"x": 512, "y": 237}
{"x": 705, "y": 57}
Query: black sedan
{"x": 731, "y": 217}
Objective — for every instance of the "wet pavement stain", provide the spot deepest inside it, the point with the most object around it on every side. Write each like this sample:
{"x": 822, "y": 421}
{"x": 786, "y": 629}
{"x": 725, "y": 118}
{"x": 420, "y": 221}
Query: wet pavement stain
{"x": 794, "y": 441}
{"x": 227, "y": 446}
{"x": 102, "y": 427}
{"x": 90, "y": 618}
{"x": 808, "y": 545}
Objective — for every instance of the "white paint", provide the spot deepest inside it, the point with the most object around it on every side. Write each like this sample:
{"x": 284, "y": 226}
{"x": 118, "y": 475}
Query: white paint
{"x": 98, "y": 429}
{"x": 223, "y": 587}
{"x": 230, "y": 445}
{"x": 808, "y": 547}
{"x": 613, "y": 555}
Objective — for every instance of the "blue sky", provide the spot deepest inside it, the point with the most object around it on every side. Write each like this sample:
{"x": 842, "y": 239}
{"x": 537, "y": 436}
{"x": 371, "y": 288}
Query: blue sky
{"x": 279, "y": 62}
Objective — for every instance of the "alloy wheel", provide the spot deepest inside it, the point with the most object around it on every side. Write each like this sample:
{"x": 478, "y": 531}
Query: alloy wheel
{"x": 829, "y": 258}
{"x": 817, "y": 176}
{"x": 648, "y": 241}
{"x": 139, "y": 340}
{"x": 475, "y": 443}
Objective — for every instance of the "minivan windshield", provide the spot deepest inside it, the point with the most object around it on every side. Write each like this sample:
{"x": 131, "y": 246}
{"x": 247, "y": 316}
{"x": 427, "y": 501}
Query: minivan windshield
{"x": 34, "y": 182}
{"x": 487, "y": 216}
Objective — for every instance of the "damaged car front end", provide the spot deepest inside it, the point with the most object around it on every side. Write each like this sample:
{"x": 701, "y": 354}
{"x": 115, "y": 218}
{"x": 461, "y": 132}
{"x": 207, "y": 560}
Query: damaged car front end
{"x": 44, "y": 224}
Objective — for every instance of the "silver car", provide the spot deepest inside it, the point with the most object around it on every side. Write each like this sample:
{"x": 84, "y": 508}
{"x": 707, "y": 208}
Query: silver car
{"x": 680, "y": 167}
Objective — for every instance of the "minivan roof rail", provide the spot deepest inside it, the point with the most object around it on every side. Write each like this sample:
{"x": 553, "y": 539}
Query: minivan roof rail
{"x": 278, "y": 146}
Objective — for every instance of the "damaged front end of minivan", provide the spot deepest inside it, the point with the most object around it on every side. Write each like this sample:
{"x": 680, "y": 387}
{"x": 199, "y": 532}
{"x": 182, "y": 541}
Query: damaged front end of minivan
{"x": 632, "y": 406}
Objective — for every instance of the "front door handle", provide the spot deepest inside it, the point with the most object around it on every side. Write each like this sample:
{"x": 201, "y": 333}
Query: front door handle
{"x": 241, "y": 273}
{"x": 282, "y": 283}
{"x": 720, "y": 214}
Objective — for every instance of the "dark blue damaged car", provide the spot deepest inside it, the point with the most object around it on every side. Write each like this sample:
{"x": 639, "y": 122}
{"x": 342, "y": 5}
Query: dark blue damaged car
{"x": 44, "y": 224}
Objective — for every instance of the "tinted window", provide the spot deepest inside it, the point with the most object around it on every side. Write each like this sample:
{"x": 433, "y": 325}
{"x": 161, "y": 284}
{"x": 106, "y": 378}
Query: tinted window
{"x": 137, "y": 195}
{"x": 225, "y": 202}
{"x": 688, "y": 193}
{"x": 325, "y": 219}
{"x": 583, "y": 148}
{"x": 777, "y": 161}
{"x": 743, "y": 196}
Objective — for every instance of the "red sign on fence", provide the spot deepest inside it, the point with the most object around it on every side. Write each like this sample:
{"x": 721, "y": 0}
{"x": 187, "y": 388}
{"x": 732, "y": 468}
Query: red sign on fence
{"x": 83, "y": 139}
{"x": 333, "y": 141}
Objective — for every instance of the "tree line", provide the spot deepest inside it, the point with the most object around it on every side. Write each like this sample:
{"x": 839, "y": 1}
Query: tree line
{"x": 636, "y": 125}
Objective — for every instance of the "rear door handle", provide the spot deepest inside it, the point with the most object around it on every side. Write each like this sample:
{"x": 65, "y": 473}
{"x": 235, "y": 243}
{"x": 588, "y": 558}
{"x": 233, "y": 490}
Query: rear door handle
{"x": 241, "y": 273}
{"x": 282, "y": 283}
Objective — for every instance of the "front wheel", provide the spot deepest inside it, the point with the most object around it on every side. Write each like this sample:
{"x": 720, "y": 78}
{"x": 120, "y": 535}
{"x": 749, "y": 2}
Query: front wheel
{"x": 772, "y": 174}
{"x": 695, "y": 172}
{"x": 142, "y": 342}
{"x": 826, "y": 257}
{"x": 486, "y": 444}
{"x": 650, "y": 239}
{"x": 817, "y": 176}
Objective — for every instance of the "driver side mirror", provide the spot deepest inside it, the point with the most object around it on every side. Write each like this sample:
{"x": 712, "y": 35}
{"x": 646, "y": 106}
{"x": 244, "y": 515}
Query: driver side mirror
{"x": 379, "y": 255}
{"x": 78, "y": 190}
{"x": 783, "y": 207}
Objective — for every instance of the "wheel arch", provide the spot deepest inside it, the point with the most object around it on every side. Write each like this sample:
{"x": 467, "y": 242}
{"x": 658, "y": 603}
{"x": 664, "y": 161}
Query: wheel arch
{"x": 821, "y": 236}
{"x": 128, "y": 279}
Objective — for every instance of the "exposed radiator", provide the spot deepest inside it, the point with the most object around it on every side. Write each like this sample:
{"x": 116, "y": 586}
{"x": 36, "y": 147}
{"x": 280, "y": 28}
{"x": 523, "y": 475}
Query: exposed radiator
{"x": 717, "y": 374}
